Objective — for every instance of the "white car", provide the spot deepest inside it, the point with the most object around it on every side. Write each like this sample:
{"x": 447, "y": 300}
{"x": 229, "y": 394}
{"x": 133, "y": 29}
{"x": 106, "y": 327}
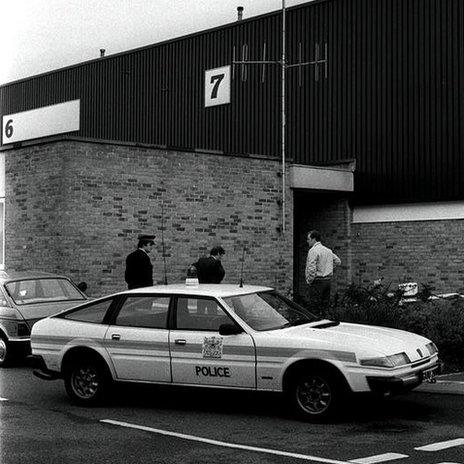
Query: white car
{"x": 226, "y": 336}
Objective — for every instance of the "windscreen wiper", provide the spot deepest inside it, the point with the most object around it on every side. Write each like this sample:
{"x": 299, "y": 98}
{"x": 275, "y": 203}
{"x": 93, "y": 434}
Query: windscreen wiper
{"x": 300, "y": 322}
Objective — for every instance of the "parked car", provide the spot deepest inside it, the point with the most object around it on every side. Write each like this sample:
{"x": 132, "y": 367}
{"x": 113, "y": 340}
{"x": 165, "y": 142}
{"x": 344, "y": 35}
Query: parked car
{"x": 26, "y": 297}
{"x": 228, "y": 336}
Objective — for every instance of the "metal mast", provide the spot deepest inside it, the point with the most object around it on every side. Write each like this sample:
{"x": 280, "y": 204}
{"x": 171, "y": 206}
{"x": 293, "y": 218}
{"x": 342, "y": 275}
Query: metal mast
{"x": 283, "y": 72}
{"x": 283, "y": 69}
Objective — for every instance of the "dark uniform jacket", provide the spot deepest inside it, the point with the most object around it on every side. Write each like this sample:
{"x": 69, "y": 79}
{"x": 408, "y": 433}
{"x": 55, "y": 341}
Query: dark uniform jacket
{"x": 139, "y": 270}
{"x": 209, "y": 270}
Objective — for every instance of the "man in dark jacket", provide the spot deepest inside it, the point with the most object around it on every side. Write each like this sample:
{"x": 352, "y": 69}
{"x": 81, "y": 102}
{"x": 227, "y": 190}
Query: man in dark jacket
{"x": 209, "y": 268}
{"x": 139, "y": 270}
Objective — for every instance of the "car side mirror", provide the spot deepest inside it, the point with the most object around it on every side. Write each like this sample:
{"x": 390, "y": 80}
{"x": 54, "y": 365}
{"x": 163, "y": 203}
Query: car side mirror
{"x": 82, "y": 286}
{"x": 229, "y": 329}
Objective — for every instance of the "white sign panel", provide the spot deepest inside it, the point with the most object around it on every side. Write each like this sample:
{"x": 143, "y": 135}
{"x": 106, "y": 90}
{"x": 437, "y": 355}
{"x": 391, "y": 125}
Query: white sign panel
{"x": 2, "y": 174}
{"x": 217, "y": 86}
{"x": 439, "y": 211}
{"x": 41, "y": 122}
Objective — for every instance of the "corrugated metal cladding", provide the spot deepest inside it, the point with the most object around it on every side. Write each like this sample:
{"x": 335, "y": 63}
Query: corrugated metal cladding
{"x": 393, "y": 98}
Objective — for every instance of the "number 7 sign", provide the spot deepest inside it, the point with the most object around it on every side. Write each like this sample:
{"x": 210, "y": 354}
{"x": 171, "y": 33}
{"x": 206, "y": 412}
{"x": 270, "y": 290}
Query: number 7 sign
{"x": 217, "y": 86}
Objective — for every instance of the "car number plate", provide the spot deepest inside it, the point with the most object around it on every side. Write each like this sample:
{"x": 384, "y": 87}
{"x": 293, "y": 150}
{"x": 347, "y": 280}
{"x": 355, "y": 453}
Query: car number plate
{"x": 429, "y": 375}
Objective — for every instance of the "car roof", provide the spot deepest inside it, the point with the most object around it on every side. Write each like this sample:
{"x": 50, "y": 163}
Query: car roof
{"x": 6, "y": 276}
{"x": 217, "y": 290}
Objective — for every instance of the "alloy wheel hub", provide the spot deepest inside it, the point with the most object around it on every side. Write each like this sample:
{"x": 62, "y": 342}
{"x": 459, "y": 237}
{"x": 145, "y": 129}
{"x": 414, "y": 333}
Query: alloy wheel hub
{"x": 85, "y": 382}
{"x": 314, "y": 395}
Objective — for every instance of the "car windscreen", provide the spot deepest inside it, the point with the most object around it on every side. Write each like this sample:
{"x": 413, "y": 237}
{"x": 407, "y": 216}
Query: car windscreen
{"x": 44, "y": 290}
{"x": 268, "y": 310}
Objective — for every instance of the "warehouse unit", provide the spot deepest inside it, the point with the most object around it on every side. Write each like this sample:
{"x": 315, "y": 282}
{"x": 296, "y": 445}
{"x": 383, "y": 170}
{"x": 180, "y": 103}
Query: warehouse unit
{"x": 185, "y": 137}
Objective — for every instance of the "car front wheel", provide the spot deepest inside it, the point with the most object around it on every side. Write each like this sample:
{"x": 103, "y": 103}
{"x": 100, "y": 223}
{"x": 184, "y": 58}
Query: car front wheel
{"x": 86, "y": 382}
{"x": 317, "y": 396}
{"x": 6, "y": 352}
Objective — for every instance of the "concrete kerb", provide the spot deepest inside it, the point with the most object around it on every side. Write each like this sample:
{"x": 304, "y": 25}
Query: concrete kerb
{"x": 452, "y": 384}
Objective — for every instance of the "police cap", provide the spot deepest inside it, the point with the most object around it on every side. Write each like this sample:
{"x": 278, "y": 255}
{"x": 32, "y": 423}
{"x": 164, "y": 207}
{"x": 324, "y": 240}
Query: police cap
{"x": 146, "y": 237}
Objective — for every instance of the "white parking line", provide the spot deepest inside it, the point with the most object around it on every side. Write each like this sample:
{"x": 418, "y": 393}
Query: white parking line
{"x": 379, "y": 458}
{"x": 441, "y": 445}
{"x": 223, "y": 443}
{"x": 3, "y": 399}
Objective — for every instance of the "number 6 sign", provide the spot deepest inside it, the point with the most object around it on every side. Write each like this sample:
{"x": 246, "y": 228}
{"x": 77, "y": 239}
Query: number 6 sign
{"x": 217, "y": 86}
{"x": 41, "y": 122}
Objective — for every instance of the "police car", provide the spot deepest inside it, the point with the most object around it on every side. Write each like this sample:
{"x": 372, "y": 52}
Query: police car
{"x": 226, "y": 336}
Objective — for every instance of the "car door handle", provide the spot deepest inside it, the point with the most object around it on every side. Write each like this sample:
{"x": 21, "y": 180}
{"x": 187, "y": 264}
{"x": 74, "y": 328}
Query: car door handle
{"x": 116, "y": 337}
{"x": 180, "y": 341}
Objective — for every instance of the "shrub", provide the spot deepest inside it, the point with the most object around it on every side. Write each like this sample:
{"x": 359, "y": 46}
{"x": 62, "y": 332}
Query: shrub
{"x": 363, "y": 305}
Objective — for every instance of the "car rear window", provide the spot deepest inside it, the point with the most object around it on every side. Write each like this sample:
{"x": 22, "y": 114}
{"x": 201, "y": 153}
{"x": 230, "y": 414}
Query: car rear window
{"x": 31, "y": 291}
{"x": 144, "y": 311}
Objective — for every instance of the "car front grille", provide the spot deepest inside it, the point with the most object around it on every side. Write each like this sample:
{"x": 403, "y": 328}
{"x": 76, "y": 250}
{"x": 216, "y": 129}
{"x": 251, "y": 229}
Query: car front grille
{"x": 419, "y": 363}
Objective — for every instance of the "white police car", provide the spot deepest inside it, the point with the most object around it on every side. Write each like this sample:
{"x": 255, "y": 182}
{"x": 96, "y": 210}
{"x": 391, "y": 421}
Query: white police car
{"x": 226, "y": 336}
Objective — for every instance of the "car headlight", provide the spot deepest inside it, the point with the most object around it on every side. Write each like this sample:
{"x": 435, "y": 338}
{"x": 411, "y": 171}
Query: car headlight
{"x": 432, "y": 348}
{"x": 395, "y": 360}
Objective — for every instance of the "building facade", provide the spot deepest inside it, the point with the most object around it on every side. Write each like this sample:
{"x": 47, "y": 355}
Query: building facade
{"x": 183, "y": 139}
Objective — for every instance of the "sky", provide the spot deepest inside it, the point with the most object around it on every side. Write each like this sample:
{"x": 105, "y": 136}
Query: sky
{"x": 37, "y": 36}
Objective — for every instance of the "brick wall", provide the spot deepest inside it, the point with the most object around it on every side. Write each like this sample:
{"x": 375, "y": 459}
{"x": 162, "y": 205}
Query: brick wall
{"x": 34, "y": 204}
{"x": 428, "y": 252}
{"x": 330, "y": 214}
{"x": 77, "y": 207}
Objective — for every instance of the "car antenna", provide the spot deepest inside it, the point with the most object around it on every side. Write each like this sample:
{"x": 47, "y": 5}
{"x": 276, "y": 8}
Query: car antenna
{"x": 241, "y": 271}
{"x": 162, "y": 243}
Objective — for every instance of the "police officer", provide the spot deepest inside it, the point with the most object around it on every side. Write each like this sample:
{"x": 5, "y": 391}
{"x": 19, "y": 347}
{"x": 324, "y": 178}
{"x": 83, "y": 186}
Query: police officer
{"x": 209, "y": 268}
{"x": 139, "y": 270}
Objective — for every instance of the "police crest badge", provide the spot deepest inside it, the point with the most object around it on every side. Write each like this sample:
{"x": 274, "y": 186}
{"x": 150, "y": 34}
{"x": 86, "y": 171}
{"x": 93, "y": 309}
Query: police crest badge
{"x": 212, "y": 347}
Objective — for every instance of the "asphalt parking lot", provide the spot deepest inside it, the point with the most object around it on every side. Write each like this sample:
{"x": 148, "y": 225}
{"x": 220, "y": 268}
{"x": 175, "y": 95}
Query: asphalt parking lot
{"x": 144, "y": 424}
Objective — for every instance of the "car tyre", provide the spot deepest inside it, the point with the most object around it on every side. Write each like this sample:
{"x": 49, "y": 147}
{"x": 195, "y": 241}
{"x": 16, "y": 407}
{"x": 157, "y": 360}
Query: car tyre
{"x": 87, "y": 381}
{"x": 317, "y": 396}
{"x": 6, "y": 352}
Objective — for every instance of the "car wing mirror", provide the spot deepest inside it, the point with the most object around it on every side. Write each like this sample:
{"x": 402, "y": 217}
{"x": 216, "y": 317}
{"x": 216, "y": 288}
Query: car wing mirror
{"x": 229, "y": 329}
{"x": 82, "y": 286}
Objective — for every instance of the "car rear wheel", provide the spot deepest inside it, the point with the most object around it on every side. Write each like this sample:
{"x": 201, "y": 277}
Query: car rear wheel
{"x": 86, "y": 381}
{"x": 317, "y": 396}
{"x": 6, "y": 352}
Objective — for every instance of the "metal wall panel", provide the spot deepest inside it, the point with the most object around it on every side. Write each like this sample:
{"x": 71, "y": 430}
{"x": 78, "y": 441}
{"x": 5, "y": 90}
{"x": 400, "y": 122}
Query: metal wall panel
{"x": 393, "y": 98}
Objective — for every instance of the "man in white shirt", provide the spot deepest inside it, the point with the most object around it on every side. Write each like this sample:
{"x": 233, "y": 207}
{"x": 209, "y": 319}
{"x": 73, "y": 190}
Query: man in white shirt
{"x": 319, "y": 269}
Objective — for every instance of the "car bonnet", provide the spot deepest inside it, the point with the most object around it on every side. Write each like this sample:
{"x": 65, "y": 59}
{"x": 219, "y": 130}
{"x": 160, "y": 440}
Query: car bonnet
{"x": 362, "y": 339}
